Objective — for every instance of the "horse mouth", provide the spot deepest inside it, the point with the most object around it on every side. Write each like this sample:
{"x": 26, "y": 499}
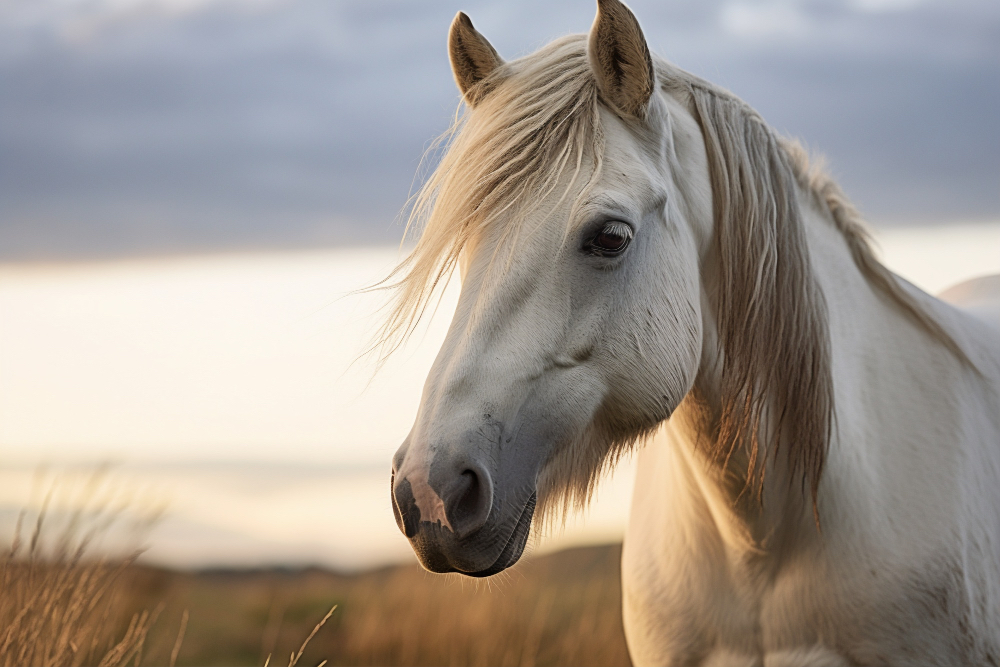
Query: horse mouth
{"x": 514, "y": 547}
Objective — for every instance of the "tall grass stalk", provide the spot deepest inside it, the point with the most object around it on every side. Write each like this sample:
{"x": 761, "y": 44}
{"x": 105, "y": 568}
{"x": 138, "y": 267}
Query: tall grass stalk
{"x": 61, "y": 604}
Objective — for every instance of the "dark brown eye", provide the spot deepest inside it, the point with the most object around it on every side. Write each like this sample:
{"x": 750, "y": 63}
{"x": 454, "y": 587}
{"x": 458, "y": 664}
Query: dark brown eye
{"x": 611, "y": 239}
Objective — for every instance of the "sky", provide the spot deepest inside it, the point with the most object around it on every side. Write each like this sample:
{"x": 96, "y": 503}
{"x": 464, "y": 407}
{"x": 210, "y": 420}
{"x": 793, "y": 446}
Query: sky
{"x": 147, "y": 127}
{"x": 229, "y": 390}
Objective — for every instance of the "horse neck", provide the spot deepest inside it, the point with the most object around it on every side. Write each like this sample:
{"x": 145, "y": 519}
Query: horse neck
{"x": 863, "y": 323}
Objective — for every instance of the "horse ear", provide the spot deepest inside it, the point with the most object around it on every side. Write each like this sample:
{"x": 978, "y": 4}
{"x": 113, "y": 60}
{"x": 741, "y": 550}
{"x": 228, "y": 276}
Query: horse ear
{"x": 620, "y": 59}
{"x": 472, "y": 58}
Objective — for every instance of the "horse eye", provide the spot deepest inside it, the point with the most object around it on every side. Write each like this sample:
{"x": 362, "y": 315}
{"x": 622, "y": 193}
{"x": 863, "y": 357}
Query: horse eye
{"x": 611, "y": 239}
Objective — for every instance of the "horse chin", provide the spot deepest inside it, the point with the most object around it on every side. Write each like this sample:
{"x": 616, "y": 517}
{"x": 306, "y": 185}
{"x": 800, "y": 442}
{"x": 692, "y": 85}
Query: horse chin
{"x": 514, "y": 547}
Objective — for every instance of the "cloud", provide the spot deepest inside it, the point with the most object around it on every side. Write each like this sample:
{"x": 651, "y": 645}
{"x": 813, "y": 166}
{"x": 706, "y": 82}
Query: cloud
{"x": 136, "y": 126}
{"x": 884, "y": 5}
{"x": 764, "y": 20}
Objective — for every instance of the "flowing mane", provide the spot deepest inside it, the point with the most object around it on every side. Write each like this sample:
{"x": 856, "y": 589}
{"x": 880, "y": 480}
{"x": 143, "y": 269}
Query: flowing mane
{"x": 540, "y": 119}
{"x": 539, "y": 123}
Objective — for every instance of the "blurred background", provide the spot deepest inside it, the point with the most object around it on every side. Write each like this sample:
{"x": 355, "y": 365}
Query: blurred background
{"x": 192, "y": 190}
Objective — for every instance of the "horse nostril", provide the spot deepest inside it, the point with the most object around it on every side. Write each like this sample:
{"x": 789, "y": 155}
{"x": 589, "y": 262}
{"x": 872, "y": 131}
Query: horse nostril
{"x": 404, "y": 506}
{"x": 468, "y": 499}
{"x": 472, "y": 499}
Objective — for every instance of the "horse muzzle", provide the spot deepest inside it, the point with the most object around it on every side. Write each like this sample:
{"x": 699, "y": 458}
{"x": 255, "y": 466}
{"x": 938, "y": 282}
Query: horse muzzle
{"x": 454, "y": 520}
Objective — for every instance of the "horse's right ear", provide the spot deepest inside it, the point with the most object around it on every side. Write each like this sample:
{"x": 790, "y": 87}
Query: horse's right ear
{"x": 472, "y": 58}
{"x": 620, "y": 59}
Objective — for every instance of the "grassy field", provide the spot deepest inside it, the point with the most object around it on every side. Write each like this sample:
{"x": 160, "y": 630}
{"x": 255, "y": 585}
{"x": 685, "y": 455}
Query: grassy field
{"x": 558, "y": 609}
{"x": 72, "y": 593}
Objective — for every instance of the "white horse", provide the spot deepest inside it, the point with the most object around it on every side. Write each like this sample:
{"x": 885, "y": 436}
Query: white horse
{"x": 642, "y": 256}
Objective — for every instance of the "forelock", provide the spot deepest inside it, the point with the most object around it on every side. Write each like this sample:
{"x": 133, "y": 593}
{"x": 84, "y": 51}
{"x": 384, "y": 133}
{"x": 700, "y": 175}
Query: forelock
{"x": 529, "y": 136}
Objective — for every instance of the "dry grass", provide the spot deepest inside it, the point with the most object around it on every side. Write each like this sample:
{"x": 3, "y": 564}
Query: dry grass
{"x": 67, "y": 614}
{"x": 60, "y": 605}
{"x": 561, "y": 609}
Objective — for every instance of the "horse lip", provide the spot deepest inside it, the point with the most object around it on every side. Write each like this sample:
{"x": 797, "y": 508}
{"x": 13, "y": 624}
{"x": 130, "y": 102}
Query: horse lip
{"x": 515, "y": 544}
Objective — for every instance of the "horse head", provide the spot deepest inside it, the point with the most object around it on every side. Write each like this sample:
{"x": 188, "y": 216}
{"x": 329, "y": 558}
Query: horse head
{"x": 578, "y": 327}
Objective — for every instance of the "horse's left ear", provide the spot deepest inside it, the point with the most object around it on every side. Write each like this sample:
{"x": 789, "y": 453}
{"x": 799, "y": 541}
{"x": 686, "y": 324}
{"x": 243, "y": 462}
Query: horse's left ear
{"x": 620, "y": 59}
{"x": 473, "y": 58}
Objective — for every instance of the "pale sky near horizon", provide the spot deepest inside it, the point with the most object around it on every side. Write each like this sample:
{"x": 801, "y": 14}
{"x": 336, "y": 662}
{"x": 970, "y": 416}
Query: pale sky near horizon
{"x": 246, "y": 356}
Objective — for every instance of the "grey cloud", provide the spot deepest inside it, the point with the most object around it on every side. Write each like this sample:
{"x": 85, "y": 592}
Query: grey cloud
{"x": 302, "y": 122}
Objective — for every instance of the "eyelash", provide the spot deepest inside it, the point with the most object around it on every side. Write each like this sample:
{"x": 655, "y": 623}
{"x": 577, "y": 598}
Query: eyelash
{"x": 612, "y": 228}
